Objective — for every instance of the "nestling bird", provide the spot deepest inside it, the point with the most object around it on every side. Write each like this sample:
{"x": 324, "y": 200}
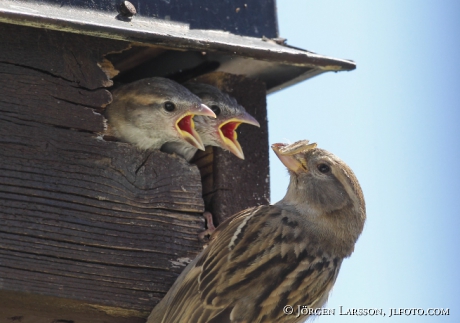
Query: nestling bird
{"x": 219, "y": 132}
{"x": 270, "y": 256}
{"x": 153, "y": 111}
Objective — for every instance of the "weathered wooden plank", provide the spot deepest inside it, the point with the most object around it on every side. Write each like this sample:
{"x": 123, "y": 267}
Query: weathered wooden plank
{"x": 231, "y": 184}
{"x": 27, "y": 94}
{"x": 104, "y": 227}
{"x": 45, "y": 309}
{"x": 86, "y": 201}
{"x": 72, "y": 57}
{"x": 92, "y": 171}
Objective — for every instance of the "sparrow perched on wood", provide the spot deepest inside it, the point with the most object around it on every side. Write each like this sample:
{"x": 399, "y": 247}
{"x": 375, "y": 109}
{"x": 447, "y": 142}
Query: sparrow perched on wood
{"x": 219, "y": 132}
{"x": 270, "y": 256}
{"x": 153, "y": 111}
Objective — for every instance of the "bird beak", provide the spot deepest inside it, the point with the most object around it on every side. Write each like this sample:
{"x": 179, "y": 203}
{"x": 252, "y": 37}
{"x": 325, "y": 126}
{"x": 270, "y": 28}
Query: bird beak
{"x": 186, "y": 126}
{"x": 287, "y": 154}
{"x": 229, "y": 136}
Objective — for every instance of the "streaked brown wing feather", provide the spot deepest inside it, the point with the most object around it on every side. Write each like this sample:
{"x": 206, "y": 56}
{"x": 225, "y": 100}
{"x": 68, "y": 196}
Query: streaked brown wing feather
{"x": 182, "y": 303}
{"x": 248, "y": 275}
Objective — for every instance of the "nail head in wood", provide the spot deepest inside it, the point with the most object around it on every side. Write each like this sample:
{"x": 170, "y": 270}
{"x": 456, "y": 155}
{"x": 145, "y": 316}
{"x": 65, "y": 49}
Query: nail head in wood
{"x": 127, "y": 9}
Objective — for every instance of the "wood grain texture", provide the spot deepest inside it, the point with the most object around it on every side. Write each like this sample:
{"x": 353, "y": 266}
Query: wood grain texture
{"x": 46, "y": 309}
{"x": 72, "y": 57}
{"x": 28, "y": 94}
{"x": 84, "y": 220}
{"x": 229, "y": 183}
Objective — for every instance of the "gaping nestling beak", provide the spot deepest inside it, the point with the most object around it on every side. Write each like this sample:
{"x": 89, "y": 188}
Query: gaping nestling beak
{"x": 186, "y": 126}
{"x": 229, "y": 136}
{"x": 288, "y": 153}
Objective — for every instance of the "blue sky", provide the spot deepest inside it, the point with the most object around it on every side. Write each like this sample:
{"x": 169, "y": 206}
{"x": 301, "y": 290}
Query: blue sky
{"x": 395, "y": 121}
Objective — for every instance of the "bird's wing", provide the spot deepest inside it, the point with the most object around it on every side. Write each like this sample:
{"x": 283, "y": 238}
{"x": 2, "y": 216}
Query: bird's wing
{"x": 257, "y": 262}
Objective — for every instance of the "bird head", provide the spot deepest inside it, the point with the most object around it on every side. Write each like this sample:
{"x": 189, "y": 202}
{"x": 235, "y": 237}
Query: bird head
{"x": 325, "y": 189}
{"x": 153, "y": 111}
{"x": 221, "y": 131}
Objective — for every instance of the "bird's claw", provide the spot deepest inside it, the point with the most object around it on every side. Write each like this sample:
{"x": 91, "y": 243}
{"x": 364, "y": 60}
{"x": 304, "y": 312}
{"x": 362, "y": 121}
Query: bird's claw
{"x": 211, "y": 228}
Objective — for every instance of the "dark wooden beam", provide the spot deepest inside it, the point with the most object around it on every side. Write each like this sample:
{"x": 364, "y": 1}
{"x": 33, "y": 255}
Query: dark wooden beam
{"x": 17, "y": 307}
{"x": 84, "y": 221}
{"x": 72, "y": 57}
{"x": 229, "y": 183}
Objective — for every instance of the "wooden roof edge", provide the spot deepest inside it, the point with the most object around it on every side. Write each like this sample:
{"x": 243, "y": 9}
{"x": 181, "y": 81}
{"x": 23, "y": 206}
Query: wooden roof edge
{"x": 163, "y": 33}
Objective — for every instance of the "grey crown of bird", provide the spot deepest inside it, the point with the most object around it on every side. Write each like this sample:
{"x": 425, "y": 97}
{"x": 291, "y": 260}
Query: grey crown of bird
{"x": 219, "y": 132}
{"x": 270, "y": 256}
{"x": 153, "y": 111}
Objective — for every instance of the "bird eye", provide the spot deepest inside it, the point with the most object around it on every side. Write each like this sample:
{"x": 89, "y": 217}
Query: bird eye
{"x": 215, "y": 109}
{"x": 324, "y": 168}
{"x": 169, "y": 106}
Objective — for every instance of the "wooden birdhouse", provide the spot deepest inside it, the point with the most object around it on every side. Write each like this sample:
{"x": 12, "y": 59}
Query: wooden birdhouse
{"x": 94, "y": 230}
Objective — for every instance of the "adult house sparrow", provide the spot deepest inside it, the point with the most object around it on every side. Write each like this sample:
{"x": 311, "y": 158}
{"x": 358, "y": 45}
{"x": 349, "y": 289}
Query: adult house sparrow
{"x": 266, "y": 257}
{"x": 153, "y": 111}
{"x": 219, "y": 132}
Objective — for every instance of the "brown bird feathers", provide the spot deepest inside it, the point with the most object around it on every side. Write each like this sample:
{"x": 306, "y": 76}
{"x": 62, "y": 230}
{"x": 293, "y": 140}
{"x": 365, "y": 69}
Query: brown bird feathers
{"x": 153, "y": 111}
{"x": 218, "y": 132}
{"x": 264, "y": 258}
